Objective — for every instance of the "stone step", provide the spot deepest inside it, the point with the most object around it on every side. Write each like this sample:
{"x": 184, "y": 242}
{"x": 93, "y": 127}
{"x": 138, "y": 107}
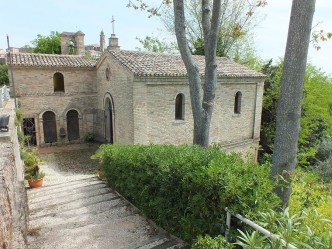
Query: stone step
{"x": 83, "y": 216}
{"x": 75, "y": 205}
{"x": 152, "y": 242}
{"x": 47, "y": 190}
{"x": 123, "y": 233}
{"x": 68, "y": 196}
{"x": 86, "y": 213}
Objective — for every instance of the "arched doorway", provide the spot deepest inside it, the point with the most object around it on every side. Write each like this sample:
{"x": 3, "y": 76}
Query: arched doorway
{"x": 73, "y": 127}
{"x": 49, "y": 125}
{"x": 109, "y": 121}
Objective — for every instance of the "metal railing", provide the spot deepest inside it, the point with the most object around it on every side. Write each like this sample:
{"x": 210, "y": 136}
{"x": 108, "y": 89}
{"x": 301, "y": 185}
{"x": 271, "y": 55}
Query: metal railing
{"x": 4, "y": 95}
{"x": 254, "y": 226}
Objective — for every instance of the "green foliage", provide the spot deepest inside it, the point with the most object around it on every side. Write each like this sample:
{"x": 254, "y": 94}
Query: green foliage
{"x": 4, "y": 80}
{"x": 22, "y": 139}
{"x": 31, "y": 162}
{"x": 18, "y": 117}
{"x": 251, "y": 241}
{"x": 305, "y": 224}
{"x": 269, "y": 111}
{"x": 311, "y": 194}
{"x": 316, "y": 120}
{"x": 324, "y": 150}
{"x": 324, "y": 157}
{"x": 185, "y": 189}
{"x": 325, "y": 168}
{"x": 207, "y": 242}
{"x": 294, "y": 229}
{"x": 47, "y": 44}
{"x": 153, "y": 44}
{"x": 89, "y": 137}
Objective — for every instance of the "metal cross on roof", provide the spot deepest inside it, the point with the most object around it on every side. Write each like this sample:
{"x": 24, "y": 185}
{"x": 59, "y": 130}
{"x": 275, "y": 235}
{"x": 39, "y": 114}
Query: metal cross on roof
{"x": 113, "y": 24}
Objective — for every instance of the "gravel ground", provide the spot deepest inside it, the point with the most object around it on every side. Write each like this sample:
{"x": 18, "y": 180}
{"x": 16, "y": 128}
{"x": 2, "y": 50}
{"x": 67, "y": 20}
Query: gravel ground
{"x": 70, "y": 162}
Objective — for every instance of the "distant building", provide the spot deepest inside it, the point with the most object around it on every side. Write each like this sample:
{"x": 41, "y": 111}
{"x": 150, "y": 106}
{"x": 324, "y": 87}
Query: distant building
{"x": 2, "y": 56}
{"x": 131, "y": 97}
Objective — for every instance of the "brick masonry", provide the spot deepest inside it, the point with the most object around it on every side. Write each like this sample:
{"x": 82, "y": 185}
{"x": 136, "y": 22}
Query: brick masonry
{"x": 143, "y": 106}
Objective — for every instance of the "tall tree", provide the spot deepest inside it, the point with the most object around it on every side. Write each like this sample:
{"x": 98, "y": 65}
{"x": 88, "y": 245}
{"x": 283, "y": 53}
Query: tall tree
{"x": 238, "y": 18}
{"x": 291, "y": 92}
{"x": 47, "y": 44}
{"x": 202, "y": 104}
{"x": 202, "y": 108}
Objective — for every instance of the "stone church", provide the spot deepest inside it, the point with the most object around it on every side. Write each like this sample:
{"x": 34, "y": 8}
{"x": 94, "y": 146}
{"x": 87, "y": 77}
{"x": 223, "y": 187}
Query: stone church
{"x": 130, "y": 97}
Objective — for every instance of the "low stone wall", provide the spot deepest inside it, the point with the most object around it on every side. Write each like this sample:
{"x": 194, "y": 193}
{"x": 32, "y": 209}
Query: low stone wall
{"x": 13, "y": 198}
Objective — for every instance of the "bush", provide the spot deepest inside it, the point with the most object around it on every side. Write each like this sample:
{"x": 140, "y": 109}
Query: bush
{"x": 324, "y": 150}
{"x": 186, "y": 189}
{"x": 207, "y": 242}
{"x": 89, "y": 138}
{"x": 324, "y": 155}
{"x": 31, "y": 162}
{"x": 293, "y": 229}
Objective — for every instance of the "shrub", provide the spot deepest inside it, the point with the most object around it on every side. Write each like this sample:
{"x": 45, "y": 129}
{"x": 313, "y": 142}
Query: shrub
{"x": 19, "y": 117}
{"x": 293, "y": 229}
{"x": 324, "y": 155}
{"x": 207, "y": 242}
{"x": 89, "y": 138}
{"x": 31, "y": 162}
{"x": 324, "y": 150}
{"x": 185, "y": 189}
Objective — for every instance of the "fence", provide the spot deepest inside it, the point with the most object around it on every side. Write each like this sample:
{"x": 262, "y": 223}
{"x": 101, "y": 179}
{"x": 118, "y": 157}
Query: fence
{"x": 254, "y": 226}
{"x": 4, "y": 95}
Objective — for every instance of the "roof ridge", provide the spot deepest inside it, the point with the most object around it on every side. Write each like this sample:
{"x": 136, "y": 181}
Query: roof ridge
{"x": 52, "y": 60}
{"x": 146, "y": 63}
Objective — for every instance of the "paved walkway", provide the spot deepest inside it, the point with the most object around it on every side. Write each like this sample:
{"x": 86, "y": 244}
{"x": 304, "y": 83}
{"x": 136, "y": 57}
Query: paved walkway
{"x": 77, "y": 210}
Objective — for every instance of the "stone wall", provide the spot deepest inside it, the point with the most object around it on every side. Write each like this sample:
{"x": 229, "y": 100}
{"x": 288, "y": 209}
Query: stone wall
{"x": 144, "y": 109}
{"x": 118, "y": 88}
{"x": 13, "y": 198}
{"x": 36, "y": 93}
{"x": 154, "y": 113}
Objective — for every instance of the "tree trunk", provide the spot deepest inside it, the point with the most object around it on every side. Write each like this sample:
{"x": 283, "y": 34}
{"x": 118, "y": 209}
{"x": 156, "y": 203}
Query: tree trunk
{"x": 201, "y": 109}
{"x": 291, "y": 92}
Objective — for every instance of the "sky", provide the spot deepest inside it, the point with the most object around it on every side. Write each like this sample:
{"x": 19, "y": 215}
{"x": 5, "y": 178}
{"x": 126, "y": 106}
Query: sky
{"x": 23, "y": 20}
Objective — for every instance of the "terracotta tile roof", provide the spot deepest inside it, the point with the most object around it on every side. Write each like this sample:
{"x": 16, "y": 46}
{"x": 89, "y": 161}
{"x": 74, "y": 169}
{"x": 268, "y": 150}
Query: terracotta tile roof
{"x": 157, "y": 64}
{"x": 51, "y": 60}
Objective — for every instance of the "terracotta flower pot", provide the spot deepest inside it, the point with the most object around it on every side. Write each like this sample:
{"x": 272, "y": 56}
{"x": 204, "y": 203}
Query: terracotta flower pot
{"x": 36, "y": 183}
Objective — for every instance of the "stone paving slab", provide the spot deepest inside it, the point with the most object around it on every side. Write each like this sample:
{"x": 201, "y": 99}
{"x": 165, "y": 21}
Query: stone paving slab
{"x": 74, "y": 209}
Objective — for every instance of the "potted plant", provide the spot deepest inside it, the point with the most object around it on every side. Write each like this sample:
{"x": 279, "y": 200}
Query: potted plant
{"x": 32, "y": 171}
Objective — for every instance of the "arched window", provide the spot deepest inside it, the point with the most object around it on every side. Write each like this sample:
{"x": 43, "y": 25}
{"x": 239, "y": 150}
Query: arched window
{"x": 58, "y": 82}
{"x": 237, "y": 103}
{"x": 179, "y": 107}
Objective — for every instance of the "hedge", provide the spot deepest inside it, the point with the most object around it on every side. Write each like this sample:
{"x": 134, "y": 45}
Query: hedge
{"x": 186, "y": 188}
